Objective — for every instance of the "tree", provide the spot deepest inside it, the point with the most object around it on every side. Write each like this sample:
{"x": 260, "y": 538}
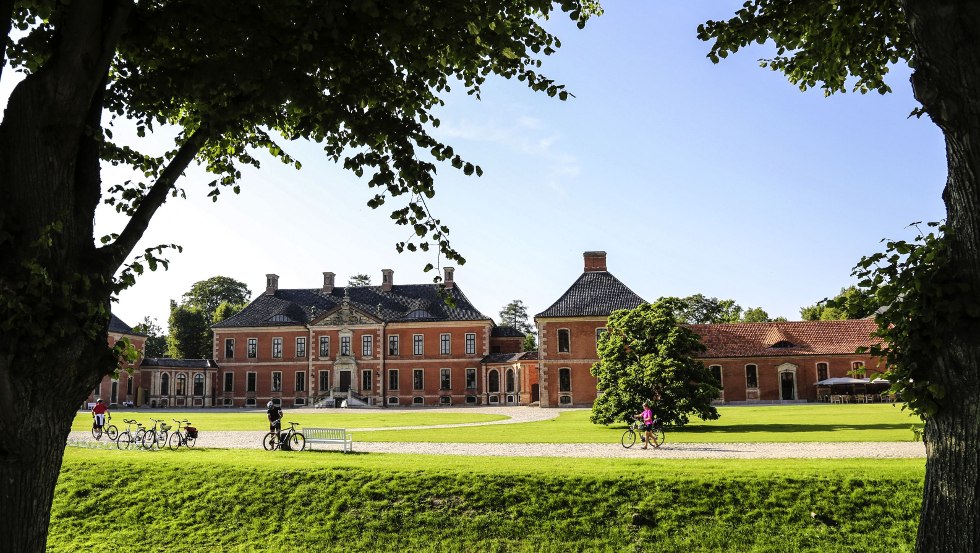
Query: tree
{"x": 851, "y": 303}
{"x": 698, "y": 309}
{"x": 514, "y": 314}
{"x": 156, "y": 340}
{"x": 530, "y": 343}
{"x": 225, "y": 310}
{"x": 758, "y": 315}
{"x": 209, "y": 294}
{"x": 233, "y": 80}
{"x": 190, "y": 333}
{"x": 359, "y": 280}
{"x": 645, "y": 354}
{"x": 852, "y": 43}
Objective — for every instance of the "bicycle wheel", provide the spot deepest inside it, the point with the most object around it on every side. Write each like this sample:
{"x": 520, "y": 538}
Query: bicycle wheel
{"x": 629, "y": 438}
{"x": 149, "y": 440}
{"x": 97, "y": 432}
{"x": 124, "y": 440}
{"x": 271, "y": 441}
{"x": 189, "y": 442}
{"x": 112, "y": 432}
{"x": 174, "y": 441}
{"x": 297, "y": 442}
{"x": 138, "y": 437}
{"x": 658, "y": 437}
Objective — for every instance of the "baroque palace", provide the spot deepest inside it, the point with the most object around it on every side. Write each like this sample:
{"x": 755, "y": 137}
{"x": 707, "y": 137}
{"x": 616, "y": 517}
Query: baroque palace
{"x": 426, "y": 344}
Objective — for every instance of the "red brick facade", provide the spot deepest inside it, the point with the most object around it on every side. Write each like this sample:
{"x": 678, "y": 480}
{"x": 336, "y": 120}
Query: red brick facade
{"x": 126, "y": 388}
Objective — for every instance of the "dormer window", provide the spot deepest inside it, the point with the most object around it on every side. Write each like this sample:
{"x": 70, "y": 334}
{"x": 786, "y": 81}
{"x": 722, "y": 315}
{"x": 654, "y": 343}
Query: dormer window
{"x": 783, "y": 344}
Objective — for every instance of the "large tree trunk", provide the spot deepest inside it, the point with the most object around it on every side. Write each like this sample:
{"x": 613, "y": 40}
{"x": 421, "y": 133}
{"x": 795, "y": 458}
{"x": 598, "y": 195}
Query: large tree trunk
{"x": 946, "y": 35}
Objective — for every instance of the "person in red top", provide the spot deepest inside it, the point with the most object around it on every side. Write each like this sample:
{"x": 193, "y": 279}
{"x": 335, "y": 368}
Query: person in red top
{"x": 647, "y": 416}
{"x": 99, "y": 413}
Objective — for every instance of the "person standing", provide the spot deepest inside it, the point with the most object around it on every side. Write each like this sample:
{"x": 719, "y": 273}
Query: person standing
{"x": 274, "y": 412}
{"x": 647, "y": 416}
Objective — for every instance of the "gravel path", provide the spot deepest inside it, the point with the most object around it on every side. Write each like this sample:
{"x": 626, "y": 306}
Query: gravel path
{"x": 811, "y": 450}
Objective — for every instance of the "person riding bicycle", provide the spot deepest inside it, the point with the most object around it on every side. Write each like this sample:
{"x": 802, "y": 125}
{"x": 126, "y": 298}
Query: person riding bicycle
{"x": 274, "y": 412}
{"x": 99, "y": 413}
{"x": 647, "y": 416}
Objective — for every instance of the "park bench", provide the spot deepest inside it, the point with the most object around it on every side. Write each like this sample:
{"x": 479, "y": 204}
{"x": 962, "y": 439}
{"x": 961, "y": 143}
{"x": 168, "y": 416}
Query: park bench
{"x": 337, "y": 436}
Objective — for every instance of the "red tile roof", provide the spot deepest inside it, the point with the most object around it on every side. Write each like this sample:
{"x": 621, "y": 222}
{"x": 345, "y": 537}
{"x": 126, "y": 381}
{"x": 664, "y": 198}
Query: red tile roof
{"x": 791, "y": 338}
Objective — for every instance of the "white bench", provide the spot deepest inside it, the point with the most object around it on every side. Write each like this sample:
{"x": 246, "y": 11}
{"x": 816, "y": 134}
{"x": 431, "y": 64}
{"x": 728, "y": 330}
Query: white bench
{"x": 329, "y": 436}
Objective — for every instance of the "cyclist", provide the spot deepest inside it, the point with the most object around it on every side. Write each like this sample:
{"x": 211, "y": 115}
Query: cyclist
{"x": 274, "y": 412}
{"x": 99, "y": 413}
{"x": 647, "y": 416}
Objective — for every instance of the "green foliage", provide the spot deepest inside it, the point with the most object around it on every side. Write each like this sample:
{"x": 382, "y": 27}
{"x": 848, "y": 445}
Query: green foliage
{"x": 759, "y": 315}
{"x": 819, "y": 43}
{"x": 926, "y": 307}
{"x": 156, "y": 341}
{"x": 259, "y": 501}
{"x": 514, "y": 314}
{"x": 208, "y": 294}
{"x": 698, "y": 309}
{"x": 359, "y": 280}
{"x": 530, "y": 343}
{"x": 227, "y": 309}
{"x": 851, "y": 303}
{"x": 190, "y": 333}
{"x": 646, "y": 355}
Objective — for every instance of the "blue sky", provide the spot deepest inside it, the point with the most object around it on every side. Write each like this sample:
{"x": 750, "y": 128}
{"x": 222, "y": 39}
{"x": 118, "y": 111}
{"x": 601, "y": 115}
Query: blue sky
{"x": 724, "y": 180}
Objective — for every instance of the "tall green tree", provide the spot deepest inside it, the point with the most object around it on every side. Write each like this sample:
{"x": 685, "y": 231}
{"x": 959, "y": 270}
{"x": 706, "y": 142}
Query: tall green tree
{"x": 514, "y": 314}
{"x": 190, "y": 333}
{"x": 646, "y": 355}
{"x": 700, "y": 309}
{"x": 758, "y": 315}
{"x": 156, "y": 340}
{"x": 210, "y": 293}
{"x": 225, "y": 310}
{"x": 360, "y": 279}
{"x": 851, "y": 303}
{"x": 844, "y": 44}
{"x": 232, "y": 82}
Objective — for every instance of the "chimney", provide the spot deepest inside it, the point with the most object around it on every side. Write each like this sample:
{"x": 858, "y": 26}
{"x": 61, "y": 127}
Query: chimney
{"x": 595, "y": 261}
{"x": 271, "y": 284}
{"x": 328, "y": 282}
{"x": 448, "y": 280}
{"x": 387, "y": 276}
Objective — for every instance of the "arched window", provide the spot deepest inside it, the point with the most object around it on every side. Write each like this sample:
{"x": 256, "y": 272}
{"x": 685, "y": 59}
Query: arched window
{"x": 198, "y": 384}
{"x": 751, "y": 376}
{"x": 510, "y": 381}
{"x": 164, "y": 384}
{"x": 493, "y": 384}
{"x": 180, "y": 388}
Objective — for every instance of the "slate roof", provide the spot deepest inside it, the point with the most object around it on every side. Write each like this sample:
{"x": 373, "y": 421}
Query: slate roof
{"x": 407, "y": 302}
{"x": 501, "y": 358}
{"x": 506, "y": 332}
{"x": 789, "y": 338}
{"x": 594, "y": 294}
{"x": 118, "y": 326}
{"x": 179, "y": 363}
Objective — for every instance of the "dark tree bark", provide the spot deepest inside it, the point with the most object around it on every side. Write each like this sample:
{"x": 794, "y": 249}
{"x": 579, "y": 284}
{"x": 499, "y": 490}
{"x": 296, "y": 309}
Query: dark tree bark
{"x": 946, "y": 80}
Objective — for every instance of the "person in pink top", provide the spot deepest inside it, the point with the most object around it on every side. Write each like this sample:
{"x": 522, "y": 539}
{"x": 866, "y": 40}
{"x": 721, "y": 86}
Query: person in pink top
{"x": 99, "y": 413}
{"x": 647, "y": 416}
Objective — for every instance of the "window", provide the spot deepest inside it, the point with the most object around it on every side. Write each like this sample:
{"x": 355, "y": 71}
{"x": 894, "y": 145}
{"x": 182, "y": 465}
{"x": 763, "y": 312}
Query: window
{"x": 565, "y": 379}
{"x": 324, "y": 346}
{"x": 393, "y": 379}
{"x": 445, "y": 400}
{"x": 300, "y": 381}
{"x": 418, "y": 347}
{"x": 277, "y": 348}
{"x": 444, "y": 344}
{"x": 199, "y": 384}
{"x": 250, "y": 382}
{"x": 493, "y": 381}
{"x": 301, "y": 348}
{"x": 276, "y": 381}
{"x": 345, "y": 345}
{"x": 470, "y": 344}
{"x": 751, "y": 376}
{"x": 252, "y": 348}
{"x": 324, "y": 381}
{"x": 510, "y": 381}
{"x": 129, "y": 385}
{"x": 393, "y": 345}
{"x": 366, "y": 381}
{"x": 471, "y": 379}
{"x": 417, "y": 400}
{"x": 857, "y": 366}
{"x": 229, "y": 348}
{"x": 180, "y": 389}
{"x": 598, "y": 335}
{"x": 229, "y": 382}
{"x": 418, "y": 379}
{"x": 564, "y": 342}
{"x": 367, "y": 345}
{"x": 822, "y": 371}
{"x": 716, "y": 372}
{"x": 444, "y": 381}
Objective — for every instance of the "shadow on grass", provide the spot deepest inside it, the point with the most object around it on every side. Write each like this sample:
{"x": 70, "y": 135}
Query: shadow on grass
{"x": 784, "y": 428}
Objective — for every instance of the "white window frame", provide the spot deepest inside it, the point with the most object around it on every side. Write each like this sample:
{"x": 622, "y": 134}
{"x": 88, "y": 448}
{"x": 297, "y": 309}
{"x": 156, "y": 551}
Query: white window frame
{"x": 418, "y": 344}
{"x": 252, "y": 348}
{"x": 277, "y": 348}
{"x": 367, "y": 345}
{"x": 301, "y": 347}
{"x": 568, "y": 340}
{"x": 324, "y": 346}
{"x": 416, "y": 380}
{"x": 747, "y": 384}
{"x": 396, "y": 380}
{"x": 300, "y": 384}
{"x": 445, "y": 344}
{"x": 470, "y": 340}
{"x": 276, "y": 384}
{"x": 231, "y": 342}
{"x": 254, "y": 384}
{"x": 445, "y": 379}
{"x": 393, "y": 341}
{"x": 569, "y": 372}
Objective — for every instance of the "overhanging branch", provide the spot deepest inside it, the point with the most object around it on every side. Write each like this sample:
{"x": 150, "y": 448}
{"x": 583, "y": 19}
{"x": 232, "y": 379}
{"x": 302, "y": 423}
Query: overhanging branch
{"x": 6, "y": 20}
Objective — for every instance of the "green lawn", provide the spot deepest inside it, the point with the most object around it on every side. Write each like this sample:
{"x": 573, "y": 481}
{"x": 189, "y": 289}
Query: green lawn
{"x": 208, "y": 500}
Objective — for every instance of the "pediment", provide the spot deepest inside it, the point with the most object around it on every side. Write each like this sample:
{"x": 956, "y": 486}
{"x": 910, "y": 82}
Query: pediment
{"x": 345, "y": 315}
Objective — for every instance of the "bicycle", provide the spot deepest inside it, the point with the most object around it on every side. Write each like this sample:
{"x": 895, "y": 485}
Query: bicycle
{"x": 188, "y": 437}
{"x": 109, "y": 430}
{"x": 288, "y": 439}
{"x": 156, "y": 436}
{"x": 636, "y": 429}
{"x": 127, "y": 438}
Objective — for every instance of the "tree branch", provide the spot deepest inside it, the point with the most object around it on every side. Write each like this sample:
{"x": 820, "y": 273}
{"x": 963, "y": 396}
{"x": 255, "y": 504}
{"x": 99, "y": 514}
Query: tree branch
{"x": 117, "y": 252}
{"x": 7, "y": 21}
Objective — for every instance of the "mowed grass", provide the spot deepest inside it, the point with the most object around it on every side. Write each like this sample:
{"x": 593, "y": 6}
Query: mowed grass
{"x": 210, "y": 500}
{"x": 770, "y": 423}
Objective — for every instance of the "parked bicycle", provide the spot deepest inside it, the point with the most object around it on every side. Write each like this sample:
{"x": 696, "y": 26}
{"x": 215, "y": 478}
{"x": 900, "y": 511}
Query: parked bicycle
{"x": 288, "y": 439}
{"x": 636, "y": 430}
{"x": 109, "y": 430}
{"x": 156, "y": 436}
{"x": 127, "y": 438}
{"x": 188, "y": 437}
